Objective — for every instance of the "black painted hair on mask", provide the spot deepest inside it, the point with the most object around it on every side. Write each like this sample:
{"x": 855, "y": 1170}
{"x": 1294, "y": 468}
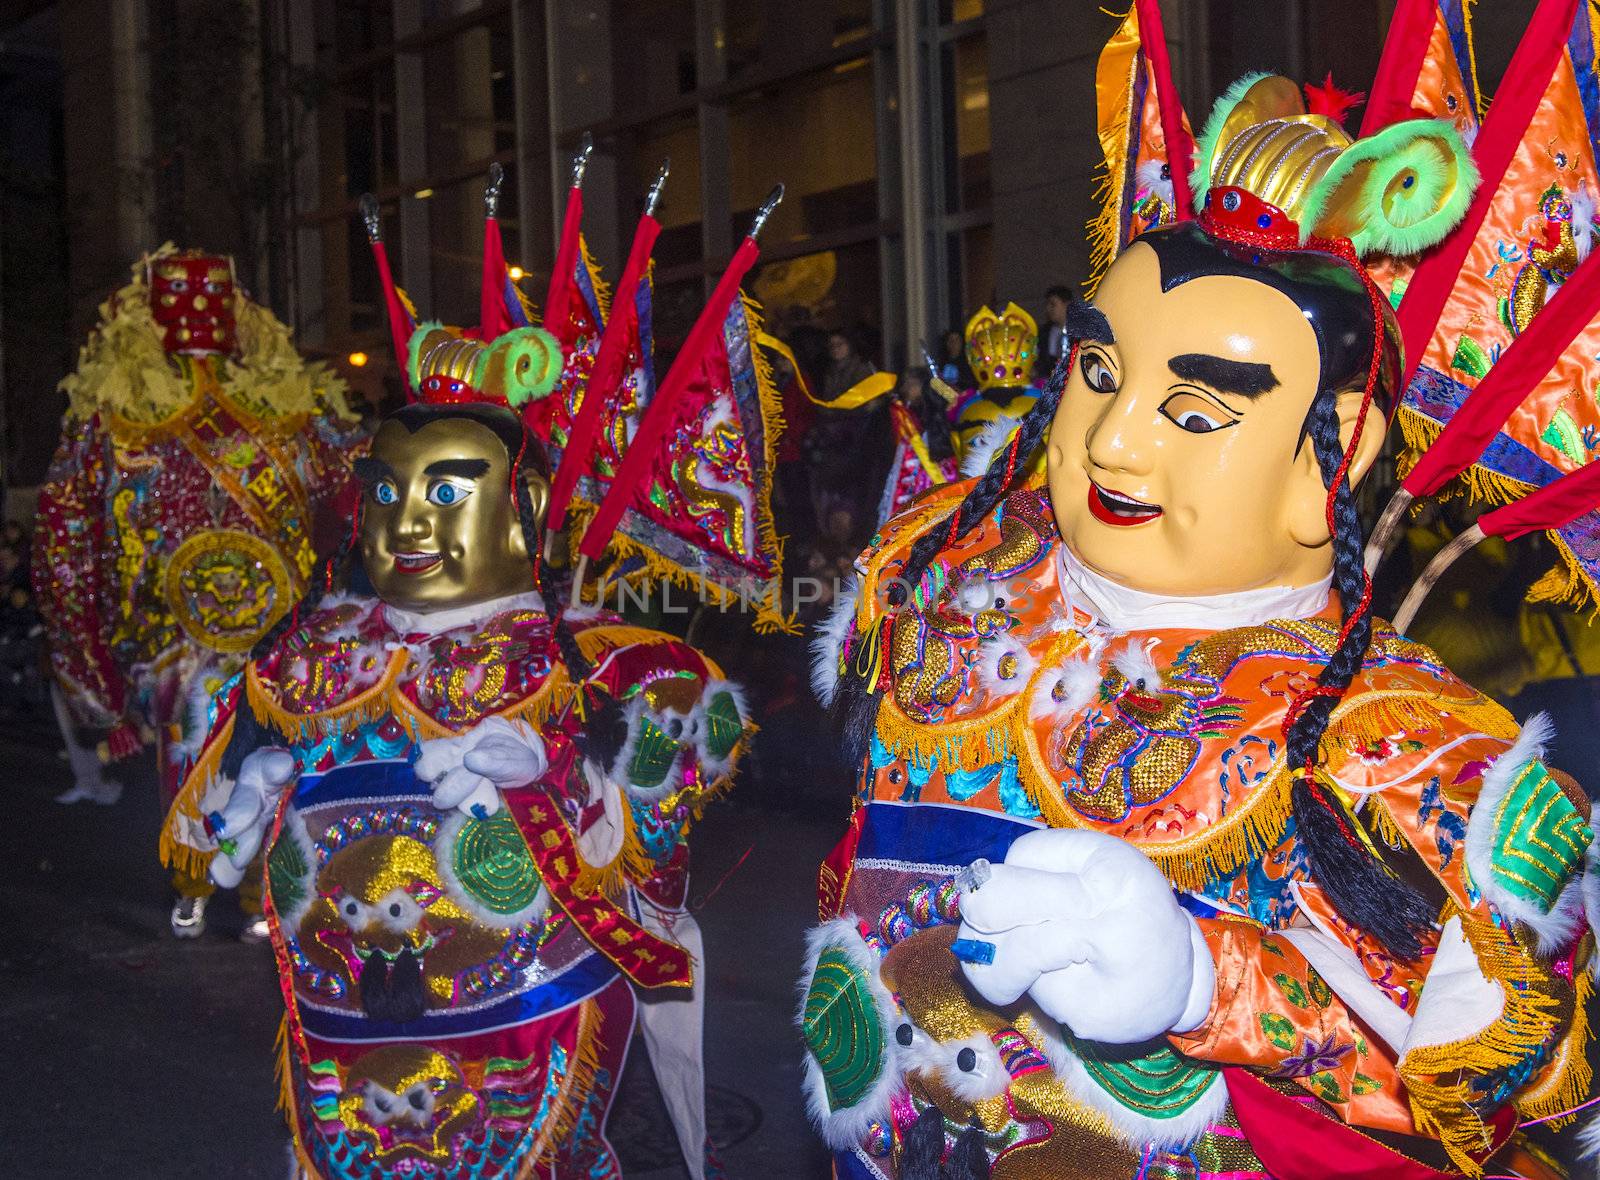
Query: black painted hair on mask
{"x": 1323, "y": 286}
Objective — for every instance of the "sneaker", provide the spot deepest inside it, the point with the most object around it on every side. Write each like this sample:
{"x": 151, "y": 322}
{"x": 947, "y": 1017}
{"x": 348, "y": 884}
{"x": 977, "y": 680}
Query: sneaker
{"x": 255, "y": 930}
{"x": 189, "y": 917}
{"x": 102, "y": 791}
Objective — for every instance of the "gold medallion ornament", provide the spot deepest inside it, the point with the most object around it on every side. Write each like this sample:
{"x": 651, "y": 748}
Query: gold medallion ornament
{"x": 226, "y": 588}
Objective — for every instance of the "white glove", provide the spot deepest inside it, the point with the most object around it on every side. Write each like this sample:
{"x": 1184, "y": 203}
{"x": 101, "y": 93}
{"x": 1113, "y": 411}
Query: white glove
{"x": 601, "y": 841}
{"x": 467, "y": 771}
{"x": 1086, "y": 925}
{"x": 251, "y": 805}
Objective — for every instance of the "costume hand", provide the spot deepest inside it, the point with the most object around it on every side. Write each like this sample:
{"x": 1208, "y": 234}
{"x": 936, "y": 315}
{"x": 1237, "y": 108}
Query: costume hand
{"x": 1087, "y": 926}
{"x": 601, "y": 821}
{"x": 467, "y": 771}
{"x": 241, "y": 823}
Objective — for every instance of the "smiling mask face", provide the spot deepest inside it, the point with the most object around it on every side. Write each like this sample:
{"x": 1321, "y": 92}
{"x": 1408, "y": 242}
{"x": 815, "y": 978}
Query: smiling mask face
{"x": 439, "y": 529}
{"x": 1175, "y": 460}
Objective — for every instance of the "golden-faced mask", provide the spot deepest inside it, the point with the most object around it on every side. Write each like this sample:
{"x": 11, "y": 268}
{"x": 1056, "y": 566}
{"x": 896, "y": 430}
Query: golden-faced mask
{"x": 1177, "y": 459}
{"x": 439, "y": 526}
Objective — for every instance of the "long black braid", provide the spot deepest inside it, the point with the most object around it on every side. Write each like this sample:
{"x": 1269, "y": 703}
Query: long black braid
{"x": 1361, "y": 887}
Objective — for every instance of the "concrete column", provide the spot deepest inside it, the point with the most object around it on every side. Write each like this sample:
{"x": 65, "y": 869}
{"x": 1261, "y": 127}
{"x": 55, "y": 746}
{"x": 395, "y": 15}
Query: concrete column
{"x": 411, "y": 151}
{"x": 1044, "y": 149}
{"x": 107, "y": 135}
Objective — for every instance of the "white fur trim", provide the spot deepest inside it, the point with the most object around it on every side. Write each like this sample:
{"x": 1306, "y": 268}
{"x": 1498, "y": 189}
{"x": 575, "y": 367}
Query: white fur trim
{"x": 449, "y": 829}
{"x": 828, "y": 639}
{"x": 1135, "y": 1129}
{"x": 715, "y": 768}
{"x": 1148, "y": 175}
{"x": 1589, "y": 1140}
{"x": 991, "y": 652}
{"x": 1583, "y": 221}
{"x": 988, "y": 1077}
{"x": 1553, "y": 928}
{"x": 1079, "y": 680}
{"x": 843, "y": 1129}
{"x": 1134, "y": 662}
{"x": 981, "y": 451}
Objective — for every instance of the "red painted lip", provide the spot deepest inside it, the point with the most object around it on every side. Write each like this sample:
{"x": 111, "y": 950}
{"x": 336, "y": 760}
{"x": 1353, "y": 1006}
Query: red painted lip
{"x": 416, "y": 563}
{"x": 1110, "y": 508}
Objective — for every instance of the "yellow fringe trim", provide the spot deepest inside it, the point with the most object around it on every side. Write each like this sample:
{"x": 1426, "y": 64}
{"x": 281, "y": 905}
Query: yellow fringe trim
{"x": 594, "y": 642}
{"x": 286, "y": 1102}
{"x": 967, "y": 744}
{"x": 1435, "y": 1075}
{"x": 576, "y": 1086}
{"x": 1105, "y": 227}
{"x": 1567, "y": 1081}
{"x": 185, "y": 807}
{"x": 602, "y": 289}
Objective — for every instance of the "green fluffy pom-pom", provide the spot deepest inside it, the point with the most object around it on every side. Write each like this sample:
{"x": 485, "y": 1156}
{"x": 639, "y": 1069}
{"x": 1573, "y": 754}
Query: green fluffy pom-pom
{"x": 1397, "y": 192}
{"x": 525, "y": 363}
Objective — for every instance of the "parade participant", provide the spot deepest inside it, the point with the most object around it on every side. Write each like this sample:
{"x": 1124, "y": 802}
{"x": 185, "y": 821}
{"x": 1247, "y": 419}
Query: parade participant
{"x": 1170, "y": 859}
{"x": 473, "y": 806}
{"x": 923, "y": 456}
{"x": 176, "y": 523}
{"x": 1000, "y": 352}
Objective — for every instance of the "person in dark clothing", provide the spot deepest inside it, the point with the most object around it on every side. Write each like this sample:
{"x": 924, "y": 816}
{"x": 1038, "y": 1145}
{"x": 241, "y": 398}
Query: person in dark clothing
{"x": 1052, "y": 336}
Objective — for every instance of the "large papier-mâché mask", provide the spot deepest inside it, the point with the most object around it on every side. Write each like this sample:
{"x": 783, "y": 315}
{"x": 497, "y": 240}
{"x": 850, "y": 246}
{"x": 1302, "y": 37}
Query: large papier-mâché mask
{"x": 1175, "y": 459}
{"x": 439, "y": 526}
{"x": 191, "y": 298}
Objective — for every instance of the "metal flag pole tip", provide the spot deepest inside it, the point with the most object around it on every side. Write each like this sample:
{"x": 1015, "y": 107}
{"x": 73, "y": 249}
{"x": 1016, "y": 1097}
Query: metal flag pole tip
{"x": 491, "y": 192}
{"x": 652, "y": 199}
{"x": 368, "y": 204}
{"x": 767, "y": 206}
{"x": 580, "y": 160}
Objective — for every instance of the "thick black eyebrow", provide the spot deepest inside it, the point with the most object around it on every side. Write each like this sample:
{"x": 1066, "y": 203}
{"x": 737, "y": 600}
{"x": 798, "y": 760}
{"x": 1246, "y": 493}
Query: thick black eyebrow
{"x": 1085, "y": 321}
{"x": 371, "y": 471}
{"x": 461, "y": 468}
{"x": 1244, "y": 378}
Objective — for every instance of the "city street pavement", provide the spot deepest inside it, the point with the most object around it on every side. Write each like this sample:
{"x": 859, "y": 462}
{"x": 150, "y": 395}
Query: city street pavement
{"x": 141, "y": 1056}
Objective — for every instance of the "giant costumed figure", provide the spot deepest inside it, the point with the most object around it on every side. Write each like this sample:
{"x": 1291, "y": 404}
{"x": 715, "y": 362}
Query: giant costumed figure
{"x": 473, "y": 804}
{"x": 176, "y": 523}
{"x": 1169, "y": 858}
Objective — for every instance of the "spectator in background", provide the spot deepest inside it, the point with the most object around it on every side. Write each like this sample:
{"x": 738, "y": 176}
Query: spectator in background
{"x": 846, "y": 451}
{"x": 793, "y": 501}
{"x": 846, "y": 366}
{"x": 953, "y": 368}
{"x": 1053, "y": 336}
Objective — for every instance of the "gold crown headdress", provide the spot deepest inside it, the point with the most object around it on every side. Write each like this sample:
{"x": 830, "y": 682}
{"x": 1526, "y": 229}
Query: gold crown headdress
{"x": 999, "y": 347}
